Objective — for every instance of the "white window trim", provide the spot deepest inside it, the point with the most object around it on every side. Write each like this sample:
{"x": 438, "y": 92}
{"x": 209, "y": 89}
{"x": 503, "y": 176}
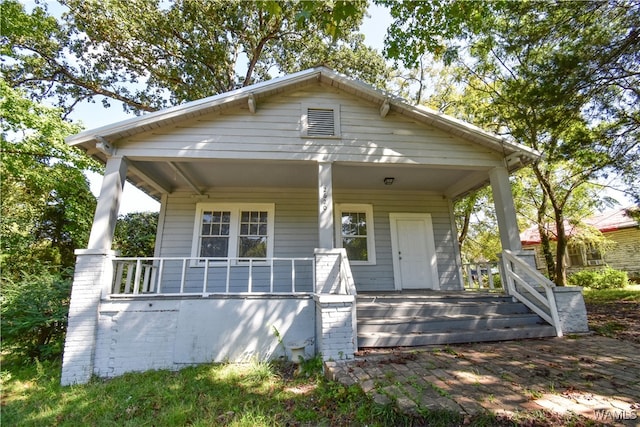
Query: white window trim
{"x": 371, "y": 242}
{"x": 235, "y": 209}
{"x": 336, "y": 120}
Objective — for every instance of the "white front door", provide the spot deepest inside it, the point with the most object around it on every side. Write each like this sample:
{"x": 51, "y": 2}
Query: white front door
{"x": 414, "y": 255}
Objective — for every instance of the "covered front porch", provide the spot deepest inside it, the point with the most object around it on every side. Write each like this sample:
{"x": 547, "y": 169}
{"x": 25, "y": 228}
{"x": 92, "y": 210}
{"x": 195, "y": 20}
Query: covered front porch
{"x": 301, "y": 293}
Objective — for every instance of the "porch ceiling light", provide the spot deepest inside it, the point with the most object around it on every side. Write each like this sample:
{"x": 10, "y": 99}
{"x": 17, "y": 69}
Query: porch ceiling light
{"x": 389, "y": 180}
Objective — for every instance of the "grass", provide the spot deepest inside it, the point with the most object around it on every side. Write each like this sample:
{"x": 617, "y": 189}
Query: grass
{"x": 630, "y": 293}
{"x": 257, "y": 394}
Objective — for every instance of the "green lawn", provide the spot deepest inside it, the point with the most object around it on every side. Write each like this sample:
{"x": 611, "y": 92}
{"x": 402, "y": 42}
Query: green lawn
{"x": 631, "y": 293}
{"x": 257, "y": 394}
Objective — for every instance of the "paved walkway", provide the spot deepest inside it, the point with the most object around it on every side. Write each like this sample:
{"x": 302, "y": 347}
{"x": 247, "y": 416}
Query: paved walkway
{"x": 593, "y": 376}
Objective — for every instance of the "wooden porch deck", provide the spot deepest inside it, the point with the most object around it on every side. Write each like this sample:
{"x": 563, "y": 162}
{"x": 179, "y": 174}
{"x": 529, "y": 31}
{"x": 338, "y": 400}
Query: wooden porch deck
{"x": 417, "y": 318}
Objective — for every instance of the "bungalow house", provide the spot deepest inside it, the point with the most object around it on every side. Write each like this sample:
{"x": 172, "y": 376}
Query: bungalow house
{"x": 282, "y": 204}
{"x": 621, "y": 231}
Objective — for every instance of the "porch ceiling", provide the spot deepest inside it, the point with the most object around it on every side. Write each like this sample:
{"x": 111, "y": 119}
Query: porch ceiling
{"x": 201, "y": 176}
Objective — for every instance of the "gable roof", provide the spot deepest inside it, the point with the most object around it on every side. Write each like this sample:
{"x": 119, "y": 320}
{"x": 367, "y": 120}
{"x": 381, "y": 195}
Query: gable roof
{"x": 605, "y": 223}
{"x": 112, "y": 133}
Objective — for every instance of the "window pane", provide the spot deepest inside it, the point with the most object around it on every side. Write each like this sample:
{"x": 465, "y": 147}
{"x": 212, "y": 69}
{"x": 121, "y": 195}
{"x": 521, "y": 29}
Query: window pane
{"x": 206, "y": 217}
{"x": 244, "y": 229}
{"x": 354, "y": 224}
{"x": 245, "y": 216}
{"x": 252, "y": 247}
{"x": 206, "y": 229}
{"x": 356, "y": 248}
{"x": 214, "y": 247}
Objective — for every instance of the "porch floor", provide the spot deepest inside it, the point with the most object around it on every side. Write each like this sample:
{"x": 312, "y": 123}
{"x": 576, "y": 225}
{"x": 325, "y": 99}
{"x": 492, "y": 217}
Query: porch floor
{"x": 416, "y": 318}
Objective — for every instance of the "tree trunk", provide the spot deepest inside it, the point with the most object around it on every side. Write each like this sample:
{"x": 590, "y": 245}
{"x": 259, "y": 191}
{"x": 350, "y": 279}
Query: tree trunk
{"x": 545, "y": 241}
{"x": 561, "y": 249}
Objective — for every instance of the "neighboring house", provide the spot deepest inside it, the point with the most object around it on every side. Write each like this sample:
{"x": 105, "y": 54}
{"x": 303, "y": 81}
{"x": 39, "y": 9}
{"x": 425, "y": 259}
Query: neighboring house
{"x": 621, "y": 231}
{"x": 263, "y": 192}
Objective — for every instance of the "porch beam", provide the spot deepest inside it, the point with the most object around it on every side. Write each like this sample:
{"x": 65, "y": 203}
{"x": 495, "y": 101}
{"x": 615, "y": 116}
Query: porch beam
{"x": 182, "y": 175}
{"x": 325, "y": 206}
{"x": 505, "y": 209}
{"x": 104, "y": 221}
{"x": 147, "y": 179}
{"x": 462, "y": 186}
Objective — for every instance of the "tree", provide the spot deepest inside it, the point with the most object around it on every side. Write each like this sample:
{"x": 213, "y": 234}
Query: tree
{"x": 135, "y": 234}
{"x": 150, "y": 54}
{"x": 46, "y": 208}
{"x": 562, "y": 77}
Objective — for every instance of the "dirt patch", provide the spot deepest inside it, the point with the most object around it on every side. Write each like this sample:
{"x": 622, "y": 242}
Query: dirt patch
{"x": 620, "y": 320}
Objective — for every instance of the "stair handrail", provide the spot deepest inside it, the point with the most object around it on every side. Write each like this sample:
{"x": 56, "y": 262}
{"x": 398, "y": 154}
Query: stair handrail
{"x": 547, "y": 300}
{"x": 347, "y": 282}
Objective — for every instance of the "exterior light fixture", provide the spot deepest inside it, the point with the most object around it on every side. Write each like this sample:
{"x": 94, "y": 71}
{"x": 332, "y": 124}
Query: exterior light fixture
{"x": 389, "y": 180}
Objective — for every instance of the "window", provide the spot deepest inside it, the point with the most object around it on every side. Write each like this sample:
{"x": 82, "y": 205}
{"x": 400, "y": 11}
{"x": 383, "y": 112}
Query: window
{"x": 354, "y": 232}
{"x": 233, "y": 230}
{"x": 575, "y": 255}
{"x": 321, "y": 121}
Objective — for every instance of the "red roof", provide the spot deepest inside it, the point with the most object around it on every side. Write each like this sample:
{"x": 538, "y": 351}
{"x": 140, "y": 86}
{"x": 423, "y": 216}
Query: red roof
{"x": 604, "y": 222}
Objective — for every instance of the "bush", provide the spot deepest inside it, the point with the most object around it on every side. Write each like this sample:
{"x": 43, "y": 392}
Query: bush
{"x": 606, "y": 278}
{"x": 34, "y": 313}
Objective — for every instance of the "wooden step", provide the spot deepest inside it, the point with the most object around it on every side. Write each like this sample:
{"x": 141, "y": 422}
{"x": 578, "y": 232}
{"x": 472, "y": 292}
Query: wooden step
{"x": 386, "y": 339}
{"x": 415, "y": 324}
{"x": 416, "y": 319}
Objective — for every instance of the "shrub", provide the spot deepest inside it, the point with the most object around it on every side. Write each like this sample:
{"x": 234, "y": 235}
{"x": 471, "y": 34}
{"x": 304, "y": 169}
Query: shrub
{"x": 606, "y": 278}
{"x": 34, "y": 313}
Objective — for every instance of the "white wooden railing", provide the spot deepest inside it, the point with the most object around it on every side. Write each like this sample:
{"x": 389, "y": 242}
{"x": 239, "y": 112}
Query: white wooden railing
{"x": 206, "y": 276}
{"x": 480, "y": 275}
{"x": 347, "y": 284}
{"x": 526, "y": 284}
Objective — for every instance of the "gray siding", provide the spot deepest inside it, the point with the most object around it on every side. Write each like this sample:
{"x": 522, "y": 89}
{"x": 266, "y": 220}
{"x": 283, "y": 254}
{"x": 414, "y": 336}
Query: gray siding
{"x": 274, "y": 132}
{"x": 296, "y": 228}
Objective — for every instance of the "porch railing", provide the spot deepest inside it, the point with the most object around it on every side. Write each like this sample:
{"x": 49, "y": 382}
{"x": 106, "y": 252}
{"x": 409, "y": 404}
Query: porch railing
{"x": 347, "y": 284}
{"x": 206, "y": 276}
{"x": 526, "y": 284}
{"x": 481, "y": 275}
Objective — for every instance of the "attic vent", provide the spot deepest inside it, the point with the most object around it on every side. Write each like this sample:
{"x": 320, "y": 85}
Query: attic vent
{"x": 320, "y": 122}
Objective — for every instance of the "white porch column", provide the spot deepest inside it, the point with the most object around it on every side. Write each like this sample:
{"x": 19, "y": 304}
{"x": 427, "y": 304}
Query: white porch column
{"x": 505, "y": 209}
{"x": 325, "y": 206}
{"x": 104, "y": 221}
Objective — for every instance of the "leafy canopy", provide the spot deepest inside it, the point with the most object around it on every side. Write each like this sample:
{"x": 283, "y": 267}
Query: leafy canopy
{"x": 46, "y": 207}
{"x": 150, "y": 54}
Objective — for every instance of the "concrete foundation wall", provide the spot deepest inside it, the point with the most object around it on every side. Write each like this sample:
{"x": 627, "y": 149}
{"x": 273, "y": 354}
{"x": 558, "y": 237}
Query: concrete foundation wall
{"x": 169, "y": 334}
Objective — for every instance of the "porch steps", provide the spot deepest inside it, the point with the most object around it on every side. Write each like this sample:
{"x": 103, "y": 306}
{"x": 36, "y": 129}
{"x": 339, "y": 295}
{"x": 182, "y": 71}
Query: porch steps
{"x": 423, "y": 318}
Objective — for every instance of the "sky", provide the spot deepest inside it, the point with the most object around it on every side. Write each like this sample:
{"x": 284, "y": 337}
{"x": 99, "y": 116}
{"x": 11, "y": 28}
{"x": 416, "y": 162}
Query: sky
{"x": 95, "y": 115}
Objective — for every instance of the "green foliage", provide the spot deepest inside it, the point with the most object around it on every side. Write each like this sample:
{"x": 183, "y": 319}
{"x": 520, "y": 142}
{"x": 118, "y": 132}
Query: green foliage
{"x": 34, "y": 315}
{"x": 558, "y": 77}
{"x": 46, "y": 206}
{"x": 254, "y": 394}
{"x": 607, "y": 278}
{"x": 135, "y": 234}
{"x": 149, "y": 54}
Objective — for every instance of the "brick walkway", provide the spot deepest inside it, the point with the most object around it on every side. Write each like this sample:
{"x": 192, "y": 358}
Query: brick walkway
{"x": 593, "y": 376}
